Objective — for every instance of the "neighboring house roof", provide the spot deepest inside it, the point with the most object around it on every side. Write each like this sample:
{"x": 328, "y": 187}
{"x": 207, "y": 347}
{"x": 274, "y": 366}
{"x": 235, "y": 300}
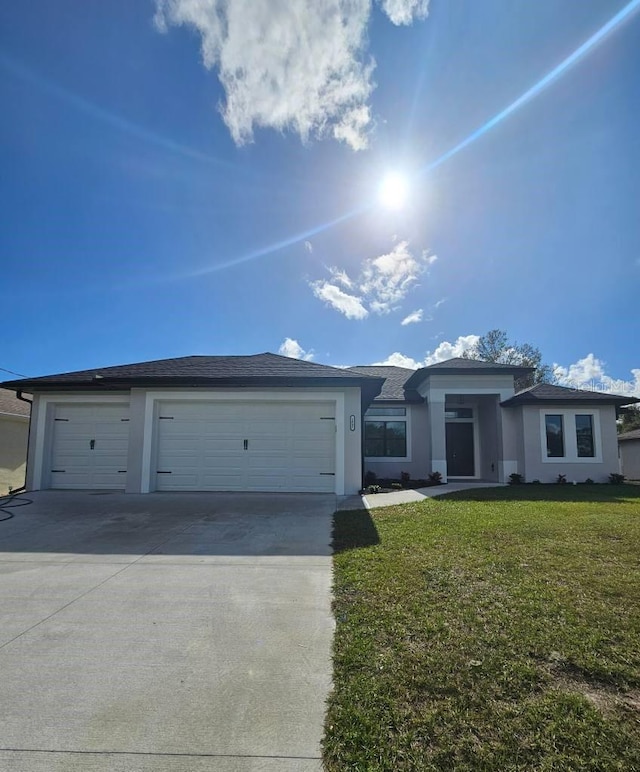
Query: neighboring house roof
{"x": 462, "y": 366}
{"x": 254, "y": 370}
{"x": 546, "y": 392}
{"x": 11, "y": 405}
{"x": 634, "y": 434}
{"x": 393, "y": 389}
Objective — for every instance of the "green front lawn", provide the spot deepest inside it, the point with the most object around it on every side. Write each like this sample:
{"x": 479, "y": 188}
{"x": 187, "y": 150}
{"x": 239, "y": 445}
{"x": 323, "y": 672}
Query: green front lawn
{"x": 492, "y": 630}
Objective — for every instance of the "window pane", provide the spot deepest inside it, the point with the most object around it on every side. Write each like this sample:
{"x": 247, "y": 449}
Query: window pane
{"x": 555, "y": 436}
{"x": 373, "y": 429}
{"x": 386, "y": 411}
{"x": 374, "y": 448}
{"x": 385, "y": 439}
{"x": 374, "y": 439}
{"x": 458, "y": 412}
{"x": 584, "y": 436}
{"x": 396, "y": 439}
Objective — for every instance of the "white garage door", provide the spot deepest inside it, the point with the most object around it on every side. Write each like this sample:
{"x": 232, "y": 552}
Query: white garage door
{"x": 251, "y": 446}
{"x": 89, "y": 446}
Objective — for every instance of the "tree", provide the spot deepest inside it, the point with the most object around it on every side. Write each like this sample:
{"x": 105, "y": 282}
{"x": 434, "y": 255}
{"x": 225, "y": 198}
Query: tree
{"x": 629, "y": 419}
{"x": 495, "y": 346}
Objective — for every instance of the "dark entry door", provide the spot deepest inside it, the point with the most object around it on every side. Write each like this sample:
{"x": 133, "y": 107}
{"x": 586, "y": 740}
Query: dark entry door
{"x": 460, "y": 461}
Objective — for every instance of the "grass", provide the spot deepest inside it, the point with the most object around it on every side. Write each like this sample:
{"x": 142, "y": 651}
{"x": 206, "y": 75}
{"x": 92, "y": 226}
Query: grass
{"x": 491, "y": 630}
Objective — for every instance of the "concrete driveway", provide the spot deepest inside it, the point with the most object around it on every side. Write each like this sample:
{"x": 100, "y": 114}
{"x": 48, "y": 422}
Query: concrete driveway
{"x": 165, "y": 632}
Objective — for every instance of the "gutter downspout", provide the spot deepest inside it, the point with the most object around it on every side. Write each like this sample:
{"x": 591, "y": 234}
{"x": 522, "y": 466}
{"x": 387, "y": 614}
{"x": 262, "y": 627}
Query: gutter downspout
{"x": 30, "y": 402}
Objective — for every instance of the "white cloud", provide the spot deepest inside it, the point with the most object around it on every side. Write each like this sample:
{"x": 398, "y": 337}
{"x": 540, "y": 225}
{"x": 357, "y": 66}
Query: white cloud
{"x": 413, "y": 318}
{"x": 405, "y": 11}
{"x": 387, "y": 279}
{"x": 341, "y": 277}
{"x": 308, "y": 246}
{"x": 400, "y": 360}
{"x": 349, "y": 305}
{"x": 382, "y": 284}
{"x": 298, "y": 65}
{"x": 445, "y": 350}
{"x": 589, "y": 373}
{"x": 291, "y": 348}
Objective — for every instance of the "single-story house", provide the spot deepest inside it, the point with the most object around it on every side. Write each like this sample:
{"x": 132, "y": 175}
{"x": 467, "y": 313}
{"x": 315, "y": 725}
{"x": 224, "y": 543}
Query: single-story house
{"x": 271, "y": 423}
{"x": 14, "y": 432}
{"x": 464, "y": 419}
{"x": 629, "y": 443}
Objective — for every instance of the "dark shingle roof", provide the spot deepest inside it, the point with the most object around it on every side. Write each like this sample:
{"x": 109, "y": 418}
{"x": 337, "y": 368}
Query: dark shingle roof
{"x": 253, "y": 370}
{"x": 634, "y": 434}
{"x": 462, "y": 366}
{"x": 547, "y": 392}
{"x": 395, "y": 378}
{"x": 11, "y": 405}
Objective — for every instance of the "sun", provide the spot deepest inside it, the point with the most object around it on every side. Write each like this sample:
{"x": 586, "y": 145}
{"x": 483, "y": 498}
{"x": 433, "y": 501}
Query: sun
{"x": 393, "y": 191}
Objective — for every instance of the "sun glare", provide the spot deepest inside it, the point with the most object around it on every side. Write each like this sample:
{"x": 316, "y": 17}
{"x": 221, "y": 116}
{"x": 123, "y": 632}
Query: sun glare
{"x": 393, "y": 191}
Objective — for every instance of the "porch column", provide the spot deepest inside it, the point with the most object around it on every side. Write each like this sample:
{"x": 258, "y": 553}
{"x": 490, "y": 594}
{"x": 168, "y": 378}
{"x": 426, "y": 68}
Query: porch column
{"x": 438, "y": 439}
{"x": 508, "y": 441}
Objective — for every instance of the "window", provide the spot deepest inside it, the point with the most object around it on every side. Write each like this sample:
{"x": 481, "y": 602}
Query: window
{"x": 386, "y": 411}
{"x": 385, "y": 439}
{"x": 570, "y": 436}
{"x": 555, "y": 436}
{"x": 451, "y": 413}
{"x": 584, "y": 436}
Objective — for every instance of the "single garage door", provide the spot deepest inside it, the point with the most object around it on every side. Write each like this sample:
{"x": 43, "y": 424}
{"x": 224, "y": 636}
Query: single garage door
{"x": 248, "y": 446}
{"x": 89, "y": 446}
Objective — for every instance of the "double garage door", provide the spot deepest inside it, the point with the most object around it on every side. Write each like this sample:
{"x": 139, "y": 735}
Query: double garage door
{"x": 249, "y": 446}
{"x": 200, "y": 446}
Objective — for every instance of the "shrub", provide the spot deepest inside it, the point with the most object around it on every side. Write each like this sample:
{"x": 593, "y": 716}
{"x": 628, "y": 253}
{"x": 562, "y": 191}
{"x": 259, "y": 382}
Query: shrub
{"x": 515, "y": 479}
{"x": 405, "y": 477}
{"x": 616, "y": 479}
{"x": 435, "y": 478}
{"x": 589, "y": 481}
{"x": 373, "y": 489}
{"x": 536, "y": 482}
{"x": 370, "y": 478}
{"x": 396, "y": 486}
{"x": 561, "y": 479}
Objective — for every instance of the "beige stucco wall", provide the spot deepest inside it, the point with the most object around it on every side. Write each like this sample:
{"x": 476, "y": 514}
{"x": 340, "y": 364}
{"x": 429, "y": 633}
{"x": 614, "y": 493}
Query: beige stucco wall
{"x": 630, "y": 459}
{"x": 547, "y": 471}
{"x": 14, "y": 432}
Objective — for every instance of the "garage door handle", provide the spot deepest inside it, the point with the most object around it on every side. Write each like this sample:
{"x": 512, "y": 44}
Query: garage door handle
{"x": 92, "y": 444}
{"x": 246, "y": 444}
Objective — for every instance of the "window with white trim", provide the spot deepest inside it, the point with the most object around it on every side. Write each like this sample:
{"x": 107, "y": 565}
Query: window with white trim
{"x": 570, "y": 436}
{"x": 385, "y": 433}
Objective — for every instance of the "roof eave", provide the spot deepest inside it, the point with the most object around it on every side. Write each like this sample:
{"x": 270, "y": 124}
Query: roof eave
{"x": 368, "y": 383}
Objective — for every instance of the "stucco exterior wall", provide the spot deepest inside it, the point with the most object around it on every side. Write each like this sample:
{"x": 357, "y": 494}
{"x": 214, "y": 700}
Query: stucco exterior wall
{"x": 418, "y": 464}
{"x": 14, "y": 432}
{"x": 490, "y": 451}
{"x": 535, "y": 468}
{"x": 630, "y": 459}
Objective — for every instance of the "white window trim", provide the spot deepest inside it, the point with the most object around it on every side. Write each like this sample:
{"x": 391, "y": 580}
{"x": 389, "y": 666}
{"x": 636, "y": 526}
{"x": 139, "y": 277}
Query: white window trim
{"x": 570, "y": 436}
{"x": 406, "y": 418}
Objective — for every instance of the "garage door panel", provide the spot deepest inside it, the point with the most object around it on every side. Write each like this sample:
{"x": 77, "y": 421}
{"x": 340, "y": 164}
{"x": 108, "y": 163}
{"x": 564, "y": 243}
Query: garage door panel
{"x": 289, "y": 444}
{"x": 89, "y": 446}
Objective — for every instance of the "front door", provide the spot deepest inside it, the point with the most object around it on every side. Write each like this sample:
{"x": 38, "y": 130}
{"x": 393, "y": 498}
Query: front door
{"x": 460, "y": 452}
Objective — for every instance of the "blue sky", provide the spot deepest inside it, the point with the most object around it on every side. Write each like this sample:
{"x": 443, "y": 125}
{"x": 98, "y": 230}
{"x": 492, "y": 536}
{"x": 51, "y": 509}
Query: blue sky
{"x": 203, "y": 177}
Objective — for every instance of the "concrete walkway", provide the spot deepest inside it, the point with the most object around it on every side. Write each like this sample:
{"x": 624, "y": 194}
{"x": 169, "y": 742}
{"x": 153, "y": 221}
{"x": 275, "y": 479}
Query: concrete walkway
{"x": 376, "y": 500}
{"x": 165, "y": 632}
